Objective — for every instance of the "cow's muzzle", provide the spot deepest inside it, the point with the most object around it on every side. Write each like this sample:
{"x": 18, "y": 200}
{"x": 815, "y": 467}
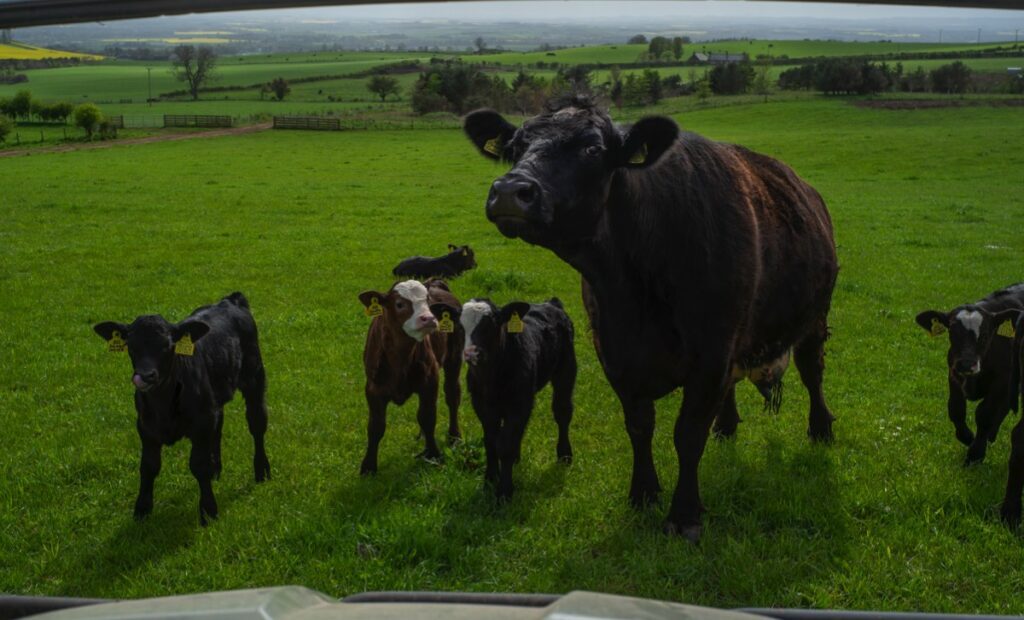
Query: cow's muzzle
{"x": 967, "y": 367}
{"x": 513, "y": 198}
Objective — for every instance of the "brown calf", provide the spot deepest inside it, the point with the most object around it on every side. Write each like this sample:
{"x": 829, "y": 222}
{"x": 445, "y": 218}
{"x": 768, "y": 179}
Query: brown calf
{"x": 403, "y": 356}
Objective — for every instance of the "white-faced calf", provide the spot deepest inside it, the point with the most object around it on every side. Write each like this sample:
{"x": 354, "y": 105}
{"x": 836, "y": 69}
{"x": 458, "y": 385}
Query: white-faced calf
{"x": 183, "y": 375}
{"x": 978, "y": 361}
{"x": 513, "y": 352}
{"x": 403, "y": 356}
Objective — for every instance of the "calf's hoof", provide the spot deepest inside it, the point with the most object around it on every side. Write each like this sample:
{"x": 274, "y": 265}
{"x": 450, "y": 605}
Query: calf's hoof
{"x": 965, "y": 437}
{"x": 640, "y": 499}
{"x": 367, "y": 468}
{"x": 454, "y": 438}
{"x": 142, "y": 509}
{"x": 974, "y": 457}
{"x": 691, "y": 532}
{"x": 821, "y": 434}
{"x": 207, "y": 513}
{"x": 564, "y": 454}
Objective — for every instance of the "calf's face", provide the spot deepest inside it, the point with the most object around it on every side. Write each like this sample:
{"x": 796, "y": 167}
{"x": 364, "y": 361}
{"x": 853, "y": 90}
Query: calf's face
{"x": 404, "y": 309}
{"x": 484, "y": 324}
{"x": 971, "y": 330}
{"x": 563, "y": 163}
{"x": 151, "y": 344}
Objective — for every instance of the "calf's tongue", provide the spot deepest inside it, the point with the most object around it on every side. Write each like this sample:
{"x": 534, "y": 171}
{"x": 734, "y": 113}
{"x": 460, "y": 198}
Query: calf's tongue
{"x": 137, "y": 380}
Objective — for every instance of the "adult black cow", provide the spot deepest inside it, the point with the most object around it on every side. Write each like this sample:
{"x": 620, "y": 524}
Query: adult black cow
{"x": 699, "y": 260}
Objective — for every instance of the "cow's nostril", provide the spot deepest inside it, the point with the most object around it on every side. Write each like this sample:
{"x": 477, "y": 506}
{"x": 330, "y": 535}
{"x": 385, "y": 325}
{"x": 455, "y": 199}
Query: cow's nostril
{"x": 526, "y": 195}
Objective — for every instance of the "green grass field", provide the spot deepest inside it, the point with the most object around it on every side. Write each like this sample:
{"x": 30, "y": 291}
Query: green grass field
{"x": 927, "y": 209}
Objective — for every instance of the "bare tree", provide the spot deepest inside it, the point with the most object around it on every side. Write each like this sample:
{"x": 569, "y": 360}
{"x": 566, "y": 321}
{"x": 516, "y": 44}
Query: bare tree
{"x": 193, "y": 66}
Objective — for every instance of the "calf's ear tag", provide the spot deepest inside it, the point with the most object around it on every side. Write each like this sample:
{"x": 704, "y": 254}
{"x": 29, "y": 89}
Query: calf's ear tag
{"x": 640, "y": 156}
{"x": 493, "y": 146}
{"x": 185, "y": 346}
{"x": 1006, "y": 330}
{"x": 937, "y": 328}
{"x": 446, "y": 325}
{"x": 116, "y": 344}
{"x": 465, "y": 252}
{"x": 374, "y": 309}
{"x": 515, "y": 324}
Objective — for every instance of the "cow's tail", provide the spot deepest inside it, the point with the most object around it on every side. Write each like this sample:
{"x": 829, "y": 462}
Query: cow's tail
{"x": 772, "y": 396}
{"x": 1015, "y": 366}
{"x": 238, "y": 299}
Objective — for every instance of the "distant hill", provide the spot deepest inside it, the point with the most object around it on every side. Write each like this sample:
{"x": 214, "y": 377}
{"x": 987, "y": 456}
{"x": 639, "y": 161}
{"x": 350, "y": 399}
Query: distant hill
{"x": 22, "y": 51}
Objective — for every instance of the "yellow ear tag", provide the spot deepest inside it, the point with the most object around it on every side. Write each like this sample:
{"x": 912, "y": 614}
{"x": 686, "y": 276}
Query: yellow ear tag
{"x": 185, "y": 346}
{"x": 493, "y": 146}
{"x": 640, "y": 156}
{"x": 374, "y": 308}
{"x": 116, "y": 344}
{"x": 1006, "y": 330}
{"x": 446, "y": 325}
{"x": 937, "y": 328}
{"x": 515, "y": 324}
{"x": 465, "y": 252}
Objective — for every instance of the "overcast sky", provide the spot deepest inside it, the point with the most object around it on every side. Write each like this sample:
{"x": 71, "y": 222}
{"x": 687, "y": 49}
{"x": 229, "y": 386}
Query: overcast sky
{"x": 590, "y": 11}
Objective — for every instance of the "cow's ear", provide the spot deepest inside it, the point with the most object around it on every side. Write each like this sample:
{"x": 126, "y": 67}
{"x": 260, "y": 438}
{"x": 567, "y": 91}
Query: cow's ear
{"x": 193, "y": 328}
{"x": 489, "y": 131}
{"x": 367, "y": 298}
{"x": 645, "y": 142}
{"x": 519, "y": 308}
{"x": 438, "y": 309}
{"x": 107, "y": 328}
{"x": 933, "y": 322}
{"x": 452, "y": 247}
{"x": 1003, "y": 322}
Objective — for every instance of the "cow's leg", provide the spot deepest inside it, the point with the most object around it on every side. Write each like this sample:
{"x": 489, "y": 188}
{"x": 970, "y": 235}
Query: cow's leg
{"x": 985, "y": 415}
{"x": 809, "y": 355}
{"x": 728, "y": 417}
{"x": 956, "y": 407}
{"x": 1011, "y": 508}
{"x": 201, "y": 467}
{"x": 643, "y": 486}
{"x": 492, "y": 428}
{"x": 217, "y": 433}
{"x": 510, "y": 440}
{"x": 255, "y": 394}
{"x": 426, "y": 415}
{"x": 375, "y": 426}
{"x": 703, "y": 395}
{"x": 561, "y": 406}
{"x": 453, "y": 394}
{"x": 149, "y": 468}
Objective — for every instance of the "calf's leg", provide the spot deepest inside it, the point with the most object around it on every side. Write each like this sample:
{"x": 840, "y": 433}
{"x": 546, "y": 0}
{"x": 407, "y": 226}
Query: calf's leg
{"x": 990, "y": 409}
{"x": 809, "y": 356}
{"x": 453, "y": 394}
{"x": 426, "y": 415}
{"x": 254, "y": 392}
{"x": 561, "y": 406}
{"x": 149, "y": 468}
{"x": 1011, "y": 508}
{"x": 375, "y": 426}
{"x": 509, "y": 443}
{"x": 217, "y": 433}
{"x": 956, "y": 408}
{"x": 202, "y": 469}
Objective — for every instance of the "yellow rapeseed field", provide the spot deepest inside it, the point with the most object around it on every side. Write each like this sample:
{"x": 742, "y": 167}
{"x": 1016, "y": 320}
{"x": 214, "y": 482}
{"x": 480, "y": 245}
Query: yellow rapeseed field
{"x": 20, "y": 51}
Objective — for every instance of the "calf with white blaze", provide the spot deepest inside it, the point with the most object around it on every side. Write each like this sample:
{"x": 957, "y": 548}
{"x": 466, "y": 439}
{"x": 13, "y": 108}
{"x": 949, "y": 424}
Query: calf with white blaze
{"x": 184, "y": 374}
{"x": 513, "y": 352}
{"x": 403, "y": 356}
{"x": 700, "y": 260}
{"x": 978, "y": 363}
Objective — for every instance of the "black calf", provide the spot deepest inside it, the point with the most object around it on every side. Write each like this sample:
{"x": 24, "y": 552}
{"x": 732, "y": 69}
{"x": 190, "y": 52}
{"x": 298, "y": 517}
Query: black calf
{"x": 184, "y": 374}
{"x": 1011, "y": 508}
{"x": 458, "y": 261}
{"x": 513, "y": 353}
{"x": 978, "y": 361}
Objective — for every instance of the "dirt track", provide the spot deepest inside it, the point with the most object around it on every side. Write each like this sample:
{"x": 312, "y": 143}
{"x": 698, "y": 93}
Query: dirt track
{"x": 85, "y": 146}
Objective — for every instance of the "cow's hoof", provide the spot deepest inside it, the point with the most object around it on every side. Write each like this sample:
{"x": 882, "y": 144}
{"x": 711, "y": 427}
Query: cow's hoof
{"x": 973, "y": 458}
{"x": 263, "y": 471}
{"x": 367, "y": 469}
{"x": 723, "y": 432}
{"x": 1010, "y": 515}
{"x": 822, "y": 435}
{"x": 142, "y": 510}
{"x": 642, "y": 498}
{"x": 207, "y": 514}
{"x": 691, "y": 533}
{"x": 454, "y": 439}
{"x": 565, "y": 459}
{"x": 965, "y": 437}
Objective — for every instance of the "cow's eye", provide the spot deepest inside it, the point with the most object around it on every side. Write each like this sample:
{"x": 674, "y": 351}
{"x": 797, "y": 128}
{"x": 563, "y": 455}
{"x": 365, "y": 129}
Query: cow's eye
{"x": 399, "y": 305}
{"x": 593, "y": 151}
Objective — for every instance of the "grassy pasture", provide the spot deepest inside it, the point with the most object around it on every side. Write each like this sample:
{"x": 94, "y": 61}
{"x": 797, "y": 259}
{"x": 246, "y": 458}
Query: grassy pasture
{"x": 927, "y": 209}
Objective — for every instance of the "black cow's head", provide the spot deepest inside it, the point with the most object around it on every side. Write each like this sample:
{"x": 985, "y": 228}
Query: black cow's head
{"x": 563, "y": 162}
{"x": 485, "y": 324}
{"x": 971, "y": 330}
{"x": 151, "y": 345}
